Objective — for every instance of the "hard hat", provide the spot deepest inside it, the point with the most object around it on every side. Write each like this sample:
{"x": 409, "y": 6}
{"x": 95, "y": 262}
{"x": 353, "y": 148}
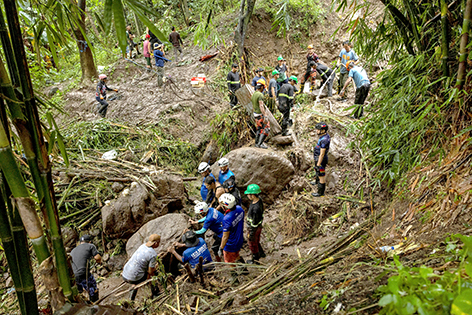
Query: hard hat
{"x": 201, "y": 207}
{"x": 223, "y": 162}
{"x": 227, "y": 200}
{"x": 310, "y": 46}
{"x": 253, "y": 189}
{"x": 261, "y": 82}
{"x": 280, "y": 58}
{"x": 102, "y": 76}
{"x": 293, "y": 78}
{"x": 349, "y": 63}
{"x": 322, "y": 126}
{"x": 204, "y": 166}
{"x": 275, "y": 72}
{"x": 148, "y": 36}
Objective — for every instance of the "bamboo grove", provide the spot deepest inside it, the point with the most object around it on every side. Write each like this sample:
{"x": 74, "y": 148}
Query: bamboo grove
{"x": 420, "y": 102}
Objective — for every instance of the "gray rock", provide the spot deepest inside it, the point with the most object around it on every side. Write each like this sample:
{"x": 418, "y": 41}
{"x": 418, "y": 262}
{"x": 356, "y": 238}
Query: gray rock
{"x": 95, "y": 232}
{"x": 69, "y": 237}
{"x": 259, "y": 166}
{"x": 211, "y": 153}
{"x": 117, "y": 187}
{"x": 126, "y": 214}
{"x": 116, "y": 262}
{"x": 106, "y": 257}
{"x": 170, "y": 227}
{"x": 103, "y": 272}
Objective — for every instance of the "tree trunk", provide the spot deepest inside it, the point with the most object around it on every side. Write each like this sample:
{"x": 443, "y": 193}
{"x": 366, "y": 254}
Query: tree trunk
{"x": 87, "y": 64}
{"x": 138, "y": 28}
{"x": 245, "y": 14}
{"x": 185, "y": 11}
{"x": 463, "y": 48}
{"x": 444, "y": 39}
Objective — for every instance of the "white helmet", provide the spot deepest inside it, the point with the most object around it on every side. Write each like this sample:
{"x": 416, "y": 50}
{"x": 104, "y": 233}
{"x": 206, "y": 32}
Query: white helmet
{"x": 223, "y": 162}
{"x": 227, "y": 200}
{"x": 201, "y": 207}
{"x": 204, "y": 166}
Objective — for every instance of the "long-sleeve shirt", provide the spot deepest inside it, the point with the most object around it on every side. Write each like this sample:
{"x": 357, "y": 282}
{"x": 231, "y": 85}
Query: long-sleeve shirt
{"x": 255, "y": 215}
{"x": 256, "y": 78}
{"x": 324, "y": 71}
{"x": 175, "y": 39}
{"x": 159, "y": 57}
{"x": 286, "y": 94}
{"x": 232, "y": 79}
{"x": 102, "y": 89}
{"x": 312, "y": 57}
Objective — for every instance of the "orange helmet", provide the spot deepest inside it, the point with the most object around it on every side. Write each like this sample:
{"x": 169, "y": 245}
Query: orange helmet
{"x": 261, "y": 82}
{"x": 348, "y": 63}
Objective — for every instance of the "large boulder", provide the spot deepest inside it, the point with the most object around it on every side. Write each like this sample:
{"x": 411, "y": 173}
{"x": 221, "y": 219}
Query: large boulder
{"x": 136, "y": 205}
{"x": 259, "y": 166}
{"x": 170, "y": 227}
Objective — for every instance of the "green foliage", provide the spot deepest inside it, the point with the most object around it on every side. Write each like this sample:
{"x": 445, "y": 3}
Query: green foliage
{"x": 228, "y": 128}
{"x": 104, "y": 135}
{"x": 404, "y": 119}
{"x": 293, "y": 14}
{"x": 422, "y": 290}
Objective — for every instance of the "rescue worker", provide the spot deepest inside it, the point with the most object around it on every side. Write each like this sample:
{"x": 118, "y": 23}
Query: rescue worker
{"x": 81, "y": 256}
{"x": 230, "y": 187}
{"x": 362, "y": 82}
{"x": 255, "y": 215}
{"x": 101, "y": 95}
{"x": 311, "y": 56}
{"x": 142, "y": 265}
{"x": 320, "y": 154}
{"x": 286, "y": 95}
{"x": 233, "y": 231}
{"x": 132, "y": 44}
{"x": 234, "y": 83}
{"x": 174, "y": 38}
{"x": 273, "y": 90}
{"x": 196, "y": 248}
{"x": 326, "y": 74}
{"x": 215, "y": 190}
{"x": 346, "y": 54}
{"x": 262, "y": 122}
{"x": 204, "y": 170}
{"x": 225, "y": 172}
{"x": 283, "y": 71}
{"x": 159, "y": 58}
{"x": 258, "y": 76}
{"x": 147, "y": 51}
{"x": 212, "y": 219}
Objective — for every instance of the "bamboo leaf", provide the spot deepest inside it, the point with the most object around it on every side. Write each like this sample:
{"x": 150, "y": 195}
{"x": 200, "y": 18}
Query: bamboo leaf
{"x": 107, "y": 16}
{"x": 145, "y": 20}
{"x": 120, "y": 24}
{"x": 52, "y": 46}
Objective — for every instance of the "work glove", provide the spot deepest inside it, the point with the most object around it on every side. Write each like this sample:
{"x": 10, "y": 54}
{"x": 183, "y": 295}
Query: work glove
{"x": 317, "y": 168}
{"x": 220, "y": 252}
{"x": 101, "y": 97}
{"x": 116, "y": 90}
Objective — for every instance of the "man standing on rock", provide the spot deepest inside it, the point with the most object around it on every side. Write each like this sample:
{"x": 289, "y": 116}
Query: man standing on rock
{"x": 196, "y": 248}
{"x": 225, "y": 172}
{"x": 233, "y": 231}
{"x": 176, "y": 41}
{"x": 142, "y": 265}
{"x": 320, "y": 154}
{"x": 262, "y": 122}
{"x": 362, "y": 82}
{"x": 204, "y": 170}
{"x": 255, "y": 215}
{"x": 346, "y": 54}
{"x": 81, "y": 256}
{"x": 212, "y": 220}
{"x": 232, "y": 79}
{"x": 286, "y": 94}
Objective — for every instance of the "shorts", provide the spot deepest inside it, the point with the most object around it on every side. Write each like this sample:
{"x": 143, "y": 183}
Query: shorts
{"x": 231, "y": 257}
{"x": 320, "y": 172}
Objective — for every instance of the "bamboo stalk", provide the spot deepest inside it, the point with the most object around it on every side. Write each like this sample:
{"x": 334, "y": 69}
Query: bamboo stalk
{"x": 461, "y": 72}
{"x": 5, "y": 38}
{"x": 444, "y": 39}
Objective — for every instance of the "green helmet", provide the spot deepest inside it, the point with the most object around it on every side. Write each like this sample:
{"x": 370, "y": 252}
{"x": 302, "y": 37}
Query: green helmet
{"x": 275, "y": 72}
{"x": 293, "y": 78}
{"x": 280, "y": 58}
{"x": 253, "y": 189}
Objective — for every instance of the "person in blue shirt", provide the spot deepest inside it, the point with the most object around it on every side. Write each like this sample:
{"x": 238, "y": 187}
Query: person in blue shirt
{"x": 212, "y": 220}
{"x": 196, "y": 248}
{"x": 347, "y": 54}
{"x": 233, "y": 229}
{"x": 320, "y": 154}
{"x": 258, "y": 76}
{"x": 362, "y": 82}
{"x": 225, "y": 173}
{"x": 204, "y": 170}
{"x": 159, "y": 58}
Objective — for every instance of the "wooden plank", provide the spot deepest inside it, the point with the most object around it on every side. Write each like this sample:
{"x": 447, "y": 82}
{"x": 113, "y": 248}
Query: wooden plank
{"x": 244, "y": 95}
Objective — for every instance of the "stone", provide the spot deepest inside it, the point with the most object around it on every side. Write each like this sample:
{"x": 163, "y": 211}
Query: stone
{"x": 103, "y": 272}
{"x": 262, "y": 167}
{"x": 332, "y": 179}
{"x": 125, "y": 215}
{"x": 211, "y": 153}
{"x": 302, "y": 160}
{"x": 69, "y": 237}
{"x": 117, "y": 187}
{"x": 116, "y": 262}
{"x": 299, "y": 184}
{"x": 9, "y": 282}
{"x": 170, "y": 227}
{"x": 94, "y": 232}
{"x": 106, "y": 257}
{"x": 53, "y": 91}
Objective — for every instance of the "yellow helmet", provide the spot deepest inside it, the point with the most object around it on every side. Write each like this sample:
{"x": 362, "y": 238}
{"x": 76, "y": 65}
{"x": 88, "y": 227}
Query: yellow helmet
{"x": 261, "y": 82}
{"x": 310, "y": 46}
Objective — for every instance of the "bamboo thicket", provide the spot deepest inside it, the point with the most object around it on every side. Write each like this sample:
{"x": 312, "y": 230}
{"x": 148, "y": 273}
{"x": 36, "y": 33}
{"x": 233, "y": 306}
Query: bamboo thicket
{"x": 463, "y": 48}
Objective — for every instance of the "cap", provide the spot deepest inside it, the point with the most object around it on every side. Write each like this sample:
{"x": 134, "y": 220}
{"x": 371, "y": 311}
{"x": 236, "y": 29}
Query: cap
{"x": 259, "y": 70}
{"x": 275, "y": 72}
{"x": 190, "y": 239}
{"x": 235, "y": 65}
{"x": 153, "y": 239}
{"x": 86, "y": 238}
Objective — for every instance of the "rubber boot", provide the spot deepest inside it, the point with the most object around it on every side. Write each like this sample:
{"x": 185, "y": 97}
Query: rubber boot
{"x": 132, "y": 294}
{"x": 257, "y": 140}
{"x": 244, "y": 270}
{"x": 255, "y": 259}
{"x": 321, "y": 190}
{"x": 316, "y": 182}
{"x": 261, "y": 143}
